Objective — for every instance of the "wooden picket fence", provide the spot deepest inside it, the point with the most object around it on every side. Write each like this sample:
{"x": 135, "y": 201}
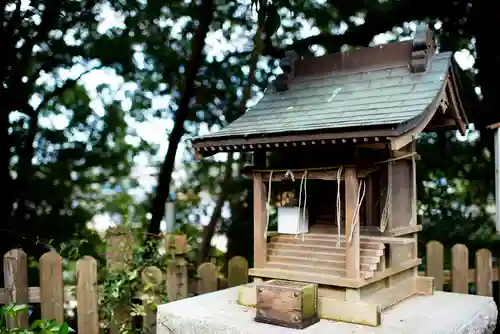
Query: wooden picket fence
{"x": 459, "y": 277}
{"x": 52, "y": 295}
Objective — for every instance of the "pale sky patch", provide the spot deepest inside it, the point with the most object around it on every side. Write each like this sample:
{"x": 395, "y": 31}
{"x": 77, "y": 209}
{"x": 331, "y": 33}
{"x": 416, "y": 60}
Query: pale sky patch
{"x": 156, "y": 130}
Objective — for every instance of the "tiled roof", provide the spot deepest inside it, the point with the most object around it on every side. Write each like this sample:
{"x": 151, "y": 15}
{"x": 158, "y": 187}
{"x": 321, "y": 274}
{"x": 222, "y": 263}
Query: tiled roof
{"x": 339, "y": 100}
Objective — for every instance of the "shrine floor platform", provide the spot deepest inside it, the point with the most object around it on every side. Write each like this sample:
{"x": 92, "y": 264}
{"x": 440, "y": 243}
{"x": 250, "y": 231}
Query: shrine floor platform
{"x": 331, "y": 229}
{"x": 442, "y": 313}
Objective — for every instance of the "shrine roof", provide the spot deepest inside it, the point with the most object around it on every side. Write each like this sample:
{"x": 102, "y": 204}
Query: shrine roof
{"x": 374, "y": 90}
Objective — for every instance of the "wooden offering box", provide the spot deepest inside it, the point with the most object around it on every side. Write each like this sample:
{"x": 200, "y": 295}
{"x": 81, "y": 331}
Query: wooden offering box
{"x": 342, "y": 129}
{"x": 287, "y": 304}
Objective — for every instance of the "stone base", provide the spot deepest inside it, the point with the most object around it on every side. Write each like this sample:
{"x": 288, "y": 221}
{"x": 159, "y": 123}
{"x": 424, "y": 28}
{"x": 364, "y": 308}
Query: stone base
{"x": 442, "y": 313}
{"x": 306, "y": 323}
{"x": 362, "y": 306}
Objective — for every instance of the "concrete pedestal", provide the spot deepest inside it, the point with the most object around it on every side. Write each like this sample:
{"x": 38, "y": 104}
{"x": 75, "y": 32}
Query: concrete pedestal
{"x": 441, "y": 313}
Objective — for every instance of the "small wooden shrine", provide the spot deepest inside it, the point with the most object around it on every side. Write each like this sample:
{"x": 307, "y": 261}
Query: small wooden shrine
{"x": 344, "y": 127}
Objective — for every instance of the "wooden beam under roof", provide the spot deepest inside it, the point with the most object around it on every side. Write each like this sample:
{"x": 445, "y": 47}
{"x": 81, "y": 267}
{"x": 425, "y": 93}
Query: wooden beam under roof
{"x": 269, "y": 144}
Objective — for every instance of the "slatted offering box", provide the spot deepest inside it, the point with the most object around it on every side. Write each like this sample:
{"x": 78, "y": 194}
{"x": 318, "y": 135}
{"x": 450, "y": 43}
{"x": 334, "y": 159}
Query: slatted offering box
{"x": 342, "y": 130}
{"x": 287, "y": 304}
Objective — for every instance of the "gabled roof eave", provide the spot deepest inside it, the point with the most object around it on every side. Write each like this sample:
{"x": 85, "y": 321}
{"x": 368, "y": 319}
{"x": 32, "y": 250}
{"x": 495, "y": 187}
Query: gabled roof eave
{"x": 416, "y": 125}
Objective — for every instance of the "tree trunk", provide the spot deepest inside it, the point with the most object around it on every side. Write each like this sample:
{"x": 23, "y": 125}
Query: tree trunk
{"x": 209, "y": 230}
{"x": 5, "y": 155}
{"x": 164, "y": 179}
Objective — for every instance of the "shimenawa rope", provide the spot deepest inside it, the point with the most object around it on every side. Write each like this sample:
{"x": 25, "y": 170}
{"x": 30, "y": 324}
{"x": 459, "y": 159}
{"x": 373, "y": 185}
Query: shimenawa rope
{"x": 386, "y": 213}
{"x": 268, "y": 205}
{"x": 303, "y": 183}
{"x": 359, "y": 201}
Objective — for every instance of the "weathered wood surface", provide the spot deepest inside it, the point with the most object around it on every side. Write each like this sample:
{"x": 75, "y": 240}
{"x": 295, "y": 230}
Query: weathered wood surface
{"x": 460, "y": 268}
{"x": 86, "y": 295}
{"x": 15, "y": 273}
{"x": 152, "y": 279}
{"x": 208, "y": 278}
{"x": 483, "y": 273}
{"x": 237, "y": 271}
{"x": 435, "y": 262}
{"x": 118, "y": 257}
{"x": 352, "y": 251}
{"x": 287, "y": 304}
{"x": 458, "y": 277}
{"x": 51, "y": 287}
{"x": 259, "y": 221}
{"x": 177, "y": 279}
{"x": 175, "y": 243}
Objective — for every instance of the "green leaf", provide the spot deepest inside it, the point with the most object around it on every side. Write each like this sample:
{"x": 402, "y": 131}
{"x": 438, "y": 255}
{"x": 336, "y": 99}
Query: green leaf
{"x": 20, "y": 308}
{"x": 64, "y": 329}
{"x": 37, "y": 324}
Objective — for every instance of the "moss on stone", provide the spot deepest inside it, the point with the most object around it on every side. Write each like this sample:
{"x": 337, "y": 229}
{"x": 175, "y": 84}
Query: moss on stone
{"x": 358, "y": 322}
{"x": 309, "y": 301}
{"x": 245, "y": 292}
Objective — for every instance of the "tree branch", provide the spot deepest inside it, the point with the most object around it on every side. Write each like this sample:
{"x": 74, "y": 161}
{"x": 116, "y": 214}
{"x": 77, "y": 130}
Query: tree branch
{"x": 27, "y": 151}
{"x": 69, "y": 83}
{"x": 164, "y": 179}
{"x": 379, "y": 19}
{"x": 209, "y": 230}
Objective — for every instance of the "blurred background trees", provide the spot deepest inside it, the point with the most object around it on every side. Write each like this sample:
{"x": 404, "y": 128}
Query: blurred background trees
{"x": 95, "y": 96}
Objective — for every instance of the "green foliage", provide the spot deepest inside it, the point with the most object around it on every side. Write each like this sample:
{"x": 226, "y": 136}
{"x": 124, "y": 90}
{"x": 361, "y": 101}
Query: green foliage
{"x": 128, "y": 288}
{"x": 124, "y": 289}
{"x": 67, "y": 150}
{"x": 64, "y": 146}
{"x": 8, "y": 312}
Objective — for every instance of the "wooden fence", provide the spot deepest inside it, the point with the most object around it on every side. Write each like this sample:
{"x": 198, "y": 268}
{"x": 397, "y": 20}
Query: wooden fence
{"x": 51, "y": 293}
{"x": 459, "y": 276}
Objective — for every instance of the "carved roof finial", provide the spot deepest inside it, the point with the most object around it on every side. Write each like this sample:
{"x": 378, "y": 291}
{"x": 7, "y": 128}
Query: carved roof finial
{"x": 424, "y": 47}
{"x": 287, "y": 65}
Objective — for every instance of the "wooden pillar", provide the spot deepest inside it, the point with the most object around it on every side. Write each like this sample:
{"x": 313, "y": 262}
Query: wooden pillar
{"x": 352, "y": 249}
{"x": 414, "y": 204}
{"x": 259, "y": 221}
{"x": 413, "y": 169}
{"x": 402, "y": 190}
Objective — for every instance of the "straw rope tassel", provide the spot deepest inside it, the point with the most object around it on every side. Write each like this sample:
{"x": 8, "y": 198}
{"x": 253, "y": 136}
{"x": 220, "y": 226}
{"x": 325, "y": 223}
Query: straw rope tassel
{"x": 387, "y": 212}
{"x": 268, "y": 204}
{"x": 359, "y": 201}
{"x": 303, "y": 179}
{"x": 339, "y": 174}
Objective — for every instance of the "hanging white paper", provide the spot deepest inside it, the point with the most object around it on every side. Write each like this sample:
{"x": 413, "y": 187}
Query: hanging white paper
{"x": 287, "y": 220}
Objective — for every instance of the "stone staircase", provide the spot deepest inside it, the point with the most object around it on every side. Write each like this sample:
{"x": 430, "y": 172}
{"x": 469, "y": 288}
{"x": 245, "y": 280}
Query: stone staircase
{"x": 320, "y": 253}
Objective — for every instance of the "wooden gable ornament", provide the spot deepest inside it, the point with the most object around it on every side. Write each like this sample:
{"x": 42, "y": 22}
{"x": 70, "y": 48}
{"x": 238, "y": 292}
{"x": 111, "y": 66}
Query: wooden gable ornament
{"x": 424, "y": 48}
{"x": 344, "y": 126}
{"x": 287, "y": 65}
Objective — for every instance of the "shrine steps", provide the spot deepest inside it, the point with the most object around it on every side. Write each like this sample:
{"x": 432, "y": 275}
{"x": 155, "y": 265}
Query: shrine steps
{"x": 294, "y": 266}
{"x": 326, "y": 265}
{"x": 318, "y": 240}
{"x": 276, "y": 251}
{"x": 366, "y": 232}
{"x": 320, "y": 254}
